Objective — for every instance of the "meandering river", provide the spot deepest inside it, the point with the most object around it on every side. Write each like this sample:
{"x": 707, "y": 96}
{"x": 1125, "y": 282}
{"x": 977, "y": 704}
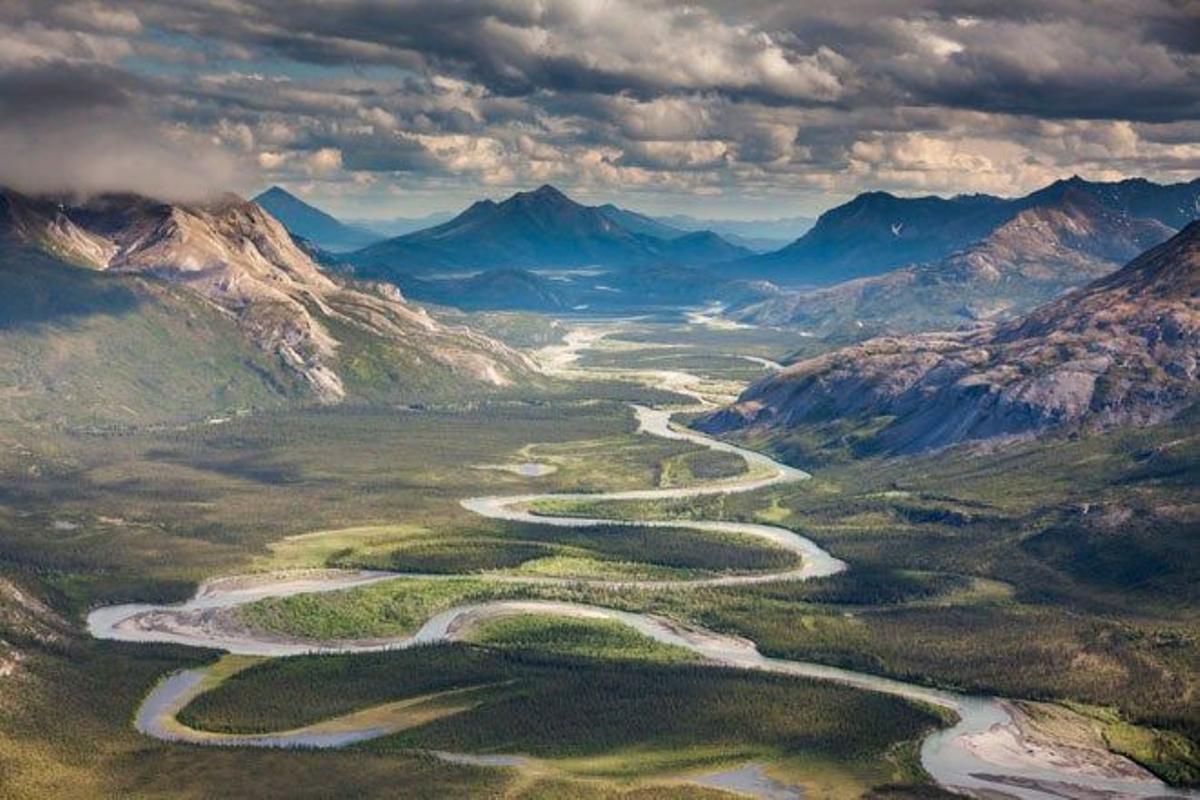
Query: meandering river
{"x": 988, "y": 752}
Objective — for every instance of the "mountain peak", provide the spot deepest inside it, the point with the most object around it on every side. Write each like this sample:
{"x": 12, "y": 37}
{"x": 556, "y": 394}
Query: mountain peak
{"x": 876, "y": 232}
{"x": 543, "y": 194}
{"x": 1066, "y": 184}
{"x": 541, "y": 227}
{"x": 309, "y": 222}
{"x": 276, "y": 191}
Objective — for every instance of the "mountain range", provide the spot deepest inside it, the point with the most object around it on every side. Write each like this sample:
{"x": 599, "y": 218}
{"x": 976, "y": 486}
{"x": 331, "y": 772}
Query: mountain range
{"x": 912, "y": 263}
{"x": 1125, "y": 349}
{"x": 398, "y": 226}
{"x": 760, "y": 235}
{"x": 221, "y": 286}
{"x": 877, "y": 232}
{"x": 1064, "y": 240}
{"x": 313, "y": 224}
{"x": 539, "y": 229}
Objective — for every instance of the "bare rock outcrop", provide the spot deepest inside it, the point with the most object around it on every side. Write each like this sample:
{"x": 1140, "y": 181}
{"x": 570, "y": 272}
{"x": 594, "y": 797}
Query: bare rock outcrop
{"x": 239, "y": 258}
{"x": 1122, "y": 350}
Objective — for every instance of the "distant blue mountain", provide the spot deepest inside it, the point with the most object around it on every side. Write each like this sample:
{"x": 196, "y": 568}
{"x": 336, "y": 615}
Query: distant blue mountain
{"x": 313, "y": 224}
{"x": 760, "y": 235}
{"x": 541, "y": 229}
{"x": 877, "y": 232}
{"x": 398, "y": 226}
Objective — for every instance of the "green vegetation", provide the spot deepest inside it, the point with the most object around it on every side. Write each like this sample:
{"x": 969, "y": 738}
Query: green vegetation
{"x": 531, "y": 548}
{"x": 515, "y": 328}
{"x": 81, "y": 348}
{"x": 1168, "y": 754}
{"x": 716, "y": 342}
{"x": 65, "y": 732}
{"x": 693, "y": 553}
{"x": 1090, "y": 542}
{"x": 584, "y": 638}
{"x": 395, "y": 608}
{"x": 143, "y": 513}
{"x": 686, "y": 359}
{"x": 1064, "y": 571}
{"x": 701, "y": 467}
{"x": 620, "y": 719}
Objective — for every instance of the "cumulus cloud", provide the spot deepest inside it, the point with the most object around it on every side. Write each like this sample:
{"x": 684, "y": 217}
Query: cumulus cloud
{"x": 765, "y": 101}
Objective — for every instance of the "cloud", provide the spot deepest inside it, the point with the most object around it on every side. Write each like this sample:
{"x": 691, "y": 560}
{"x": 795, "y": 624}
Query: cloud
{"x": 518, "y": 47}
{"x": 764, "y": 101}
{"x": 66, "y": 128}
{"x": 95, "y": 153}
{"x": 99, "y": 16}
{"x": 324, "y": 161}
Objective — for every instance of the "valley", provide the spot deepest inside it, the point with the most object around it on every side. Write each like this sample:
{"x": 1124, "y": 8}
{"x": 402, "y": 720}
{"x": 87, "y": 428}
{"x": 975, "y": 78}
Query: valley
{"x": 528, "y": 580}
{"x": 577, "y": 400}
{"x": 948, "y": 758}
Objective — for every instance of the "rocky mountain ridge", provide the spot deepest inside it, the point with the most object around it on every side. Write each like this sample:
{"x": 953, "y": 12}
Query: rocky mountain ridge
{"x": 236, "y": 256}
{"x": 1067, "y": 240}
{"x": 542, "y": 228}
{"x": 1123, "y": 350}
{"x": 877, "y": 232}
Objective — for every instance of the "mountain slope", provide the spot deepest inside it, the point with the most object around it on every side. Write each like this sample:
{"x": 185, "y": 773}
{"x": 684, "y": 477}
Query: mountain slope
{"x": 634, "y": 222}
{"x": 398, "y": 226}
{"x": 309, "y": 222}
{"x": 539, "y": 229}
{"x": 634, "y": 290}
{"x": 77, "y": 346}
{"x": 877, "y": 232}
{"x": 509, "y": 289}
{"x": 759, "y": 235}
{"x": 1041, "y": 252}
{"x": 1123, "y": 350}
{"x": 239, "y": 264}
{"x": 701, "y": 248}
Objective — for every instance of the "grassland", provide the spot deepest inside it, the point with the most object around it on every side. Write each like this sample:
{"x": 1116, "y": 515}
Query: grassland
{"x": 119, "y": 513}
{"x": 397, "y": 608}
{"x": 564, "y": 636}
{"x": 380, "y": 610}
{"x": 686, "y": 359}
{"x": 147, "y": 513}
{"x": 637, "y": 713}
{"x": 1088, "y": 542}
{"x": 94, "y": 350}
{"x": 1064, "y": 573}
{"x": 967, "y": 553}
{"x": 695, "y": 340}
{"x": 516, "y": 328}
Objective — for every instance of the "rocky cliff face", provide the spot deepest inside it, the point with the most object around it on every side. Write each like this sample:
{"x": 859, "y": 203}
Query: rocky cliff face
{"x": 1123, "y": 350}
{"x": 238, "y": 257}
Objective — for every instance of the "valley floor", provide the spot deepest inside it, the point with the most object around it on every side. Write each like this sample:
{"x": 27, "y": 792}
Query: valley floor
{"x": 954, "y": 561}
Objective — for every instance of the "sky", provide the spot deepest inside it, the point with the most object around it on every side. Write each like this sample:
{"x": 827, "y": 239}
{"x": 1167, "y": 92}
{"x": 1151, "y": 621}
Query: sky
{"x": 748, "y": 109}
